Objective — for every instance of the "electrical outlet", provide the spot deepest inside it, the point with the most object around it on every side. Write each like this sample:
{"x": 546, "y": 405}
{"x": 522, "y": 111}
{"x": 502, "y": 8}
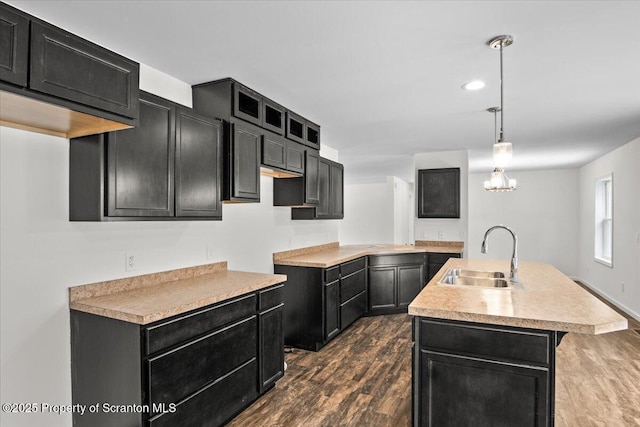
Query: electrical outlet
{"x": 622, "y": 286}
{"x": 130, "y": 262}
{"x": 440, "y": 235}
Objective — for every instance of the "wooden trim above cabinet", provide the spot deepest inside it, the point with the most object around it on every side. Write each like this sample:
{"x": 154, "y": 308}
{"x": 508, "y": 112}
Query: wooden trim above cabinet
{"x": 21, "y": 112}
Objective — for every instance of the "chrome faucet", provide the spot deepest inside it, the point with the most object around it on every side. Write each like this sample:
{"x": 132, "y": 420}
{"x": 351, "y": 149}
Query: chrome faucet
{"x": 513, "y": 274}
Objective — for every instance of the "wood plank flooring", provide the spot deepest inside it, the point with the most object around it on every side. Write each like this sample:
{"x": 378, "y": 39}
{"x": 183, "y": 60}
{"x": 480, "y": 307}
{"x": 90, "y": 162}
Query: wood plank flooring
{"x": 363, "y": 377}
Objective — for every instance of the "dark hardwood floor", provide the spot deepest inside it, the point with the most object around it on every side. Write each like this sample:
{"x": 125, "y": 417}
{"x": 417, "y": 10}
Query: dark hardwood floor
{"x": 363, "y": 377}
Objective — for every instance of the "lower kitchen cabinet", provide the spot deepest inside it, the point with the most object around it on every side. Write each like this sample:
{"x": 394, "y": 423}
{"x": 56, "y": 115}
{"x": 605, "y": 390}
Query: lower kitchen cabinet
{"x": 194, "y": 369}
{"x": 436, "y": 261}
{"x": 482, "y": 375}
{"x": 394, "y": 281}
{"x": 322, "y": 302}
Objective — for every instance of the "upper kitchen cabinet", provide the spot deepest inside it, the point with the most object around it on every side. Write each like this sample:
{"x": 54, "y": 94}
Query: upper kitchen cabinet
{"x": 281, "y": 158}
{"x": 56, "y": 83}
{"x": 169, "y": 167}
{"x": 242, "y": 163}
{"x": 439, "y": 193}
{"x": 226, "y": 99}
{"x": 331, "y": 194}
{"x": 302, "y": 191}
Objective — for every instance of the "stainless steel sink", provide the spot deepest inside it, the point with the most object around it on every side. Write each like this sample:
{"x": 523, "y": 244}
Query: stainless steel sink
{"x": 487, "y": 279}
{"x": 474, "y": 273}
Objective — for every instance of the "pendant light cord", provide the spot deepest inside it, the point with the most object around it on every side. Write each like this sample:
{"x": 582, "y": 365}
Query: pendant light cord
{"x": 501, "y": 97}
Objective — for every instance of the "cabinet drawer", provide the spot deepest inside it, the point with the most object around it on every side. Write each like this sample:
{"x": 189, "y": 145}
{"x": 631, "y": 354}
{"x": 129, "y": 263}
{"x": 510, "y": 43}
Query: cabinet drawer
{"x": 352, "y": 266}
{"x": 396, "y": 259}
{"x": 72, "y": 68}
{"x": 270, "y": 297}
{"x": 352, "y": 285}
{"x": 177, "y": 330}
{"x": 498, "y": 343}
{"x": 353, "y": 309}
{"x": 185, "y": 370}
{"x": 331, "y": 274}
{"x": 438, "y": 258}
{"x": 215, "y": 404}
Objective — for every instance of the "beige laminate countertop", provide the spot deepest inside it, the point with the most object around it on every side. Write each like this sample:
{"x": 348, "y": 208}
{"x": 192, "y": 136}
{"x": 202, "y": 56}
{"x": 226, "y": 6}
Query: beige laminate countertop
{"x": 333, "y": 254}
{"x": 149, "y": 302}
{"x": 545, "y": 299}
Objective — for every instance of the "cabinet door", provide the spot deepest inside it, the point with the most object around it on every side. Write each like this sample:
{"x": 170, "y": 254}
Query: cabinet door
{"x": 245, "y": 160}
{"x": 382, "y": 287}
{"x": 295, "y": 157}
{"x": 198, "y": 165}
{"x": 324, "y": 189}
{"x": 273, "y": 116}
{"x": 410, "y": 282}
{"x": 312, "y": 134}
{"x": 72, "y": 68}
{"x": 311, "y": 177}
{"x": 141, "y": 163}
{"x": 271, "y": 347}
{"x": 274, "y": 151}
{"x": 247, "y": 104}
{"x": 14, "y": 43}
{"x": 455, "y": 390}
{"x": 331, "y": 310}
{"x": 295, "y": 128}
{"x": 337, "y": 191}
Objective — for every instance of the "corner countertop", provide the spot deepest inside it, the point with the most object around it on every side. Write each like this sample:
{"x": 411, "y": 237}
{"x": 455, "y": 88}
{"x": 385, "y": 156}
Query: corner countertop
{"x": 148, "y": 298}
{"x": 328, "y": 255}
{"x": 545, "y": 299}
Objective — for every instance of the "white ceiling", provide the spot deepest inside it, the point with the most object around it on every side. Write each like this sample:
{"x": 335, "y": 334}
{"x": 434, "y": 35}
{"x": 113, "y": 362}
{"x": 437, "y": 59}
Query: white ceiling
{"x": 383, "y": 78}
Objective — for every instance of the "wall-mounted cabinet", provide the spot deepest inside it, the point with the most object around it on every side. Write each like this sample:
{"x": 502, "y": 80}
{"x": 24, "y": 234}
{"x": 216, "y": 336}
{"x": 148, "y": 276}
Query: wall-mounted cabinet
{"x": 54, "y": 82}
{"x": 169, "y": 167}
{"x": 331, "y": 193}
{"x": 302, "y": 191}
{"x": 281, "y": 155}
{"x": 242, "y": 163}
{"x": 439, "y": 193}
{"x": 227, "y": 99}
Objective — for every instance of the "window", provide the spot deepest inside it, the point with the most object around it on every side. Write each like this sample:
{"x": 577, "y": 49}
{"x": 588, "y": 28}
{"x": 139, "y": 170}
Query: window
{"x": 604, "y": 221}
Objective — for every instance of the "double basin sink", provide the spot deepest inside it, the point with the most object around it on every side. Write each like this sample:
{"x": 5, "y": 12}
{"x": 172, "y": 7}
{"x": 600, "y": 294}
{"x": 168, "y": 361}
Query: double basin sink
{"x": 487, "y": 279}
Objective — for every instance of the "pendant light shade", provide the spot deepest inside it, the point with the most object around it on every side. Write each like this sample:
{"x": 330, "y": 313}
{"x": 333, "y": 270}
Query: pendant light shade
{"x": 502, "y": 149}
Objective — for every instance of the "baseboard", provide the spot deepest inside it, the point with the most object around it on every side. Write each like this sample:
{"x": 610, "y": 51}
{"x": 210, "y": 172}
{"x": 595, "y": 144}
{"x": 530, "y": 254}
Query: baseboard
{"x": 613, "y": 301}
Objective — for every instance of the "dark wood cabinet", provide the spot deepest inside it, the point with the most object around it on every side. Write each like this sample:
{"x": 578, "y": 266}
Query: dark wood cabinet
{"x": 282, "y": 155}
{"x": 330, "y": 193}
{"x": 227, "y": 99}
{"x": 477, "y": 374}
{"x": 394, "y": 281}
{"x": 54, "y": 82}
{"x": 436, "y": 261}
{"x": 14, "y": 48}
{"x": 61, "y": 64}
{"x": 439, "y": 193}
{"x": 169, "y": 167}
{"x": 198, "y": 165}
{"x": 302, "y": 191}
{"x": 198, "y": 368}
{"x": 140, "y": 163}
{"x": 322, "y": 302}
{"x": 242, "y": 155}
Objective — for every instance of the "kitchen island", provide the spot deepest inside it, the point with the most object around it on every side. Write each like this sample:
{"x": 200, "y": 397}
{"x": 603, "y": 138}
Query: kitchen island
{"x": 485, "y": 355}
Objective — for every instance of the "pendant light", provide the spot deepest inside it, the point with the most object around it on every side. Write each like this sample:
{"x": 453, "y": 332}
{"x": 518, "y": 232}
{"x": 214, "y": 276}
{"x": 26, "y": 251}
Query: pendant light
{"x": 502, "y": 149}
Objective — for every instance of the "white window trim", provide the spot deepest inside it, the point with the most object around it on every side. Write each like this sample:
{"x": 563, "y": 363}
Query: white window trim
{"x": 602, "y": 215}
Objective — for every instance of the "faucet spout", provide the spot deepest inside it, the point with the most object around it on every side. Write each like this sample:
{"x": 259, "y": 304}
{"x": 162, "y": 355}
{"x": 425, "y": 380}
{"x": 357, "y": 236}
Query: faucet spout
{"x": 513, "y": 274}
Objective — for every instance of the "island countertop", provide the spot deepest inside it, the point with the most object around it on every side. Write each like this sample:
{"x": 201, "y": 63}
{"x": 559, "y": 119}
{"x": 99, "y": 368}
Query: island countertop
{"x": 545, "y": 299}
{"x": 148, "y": 298}
{"x": 325, "y": 256}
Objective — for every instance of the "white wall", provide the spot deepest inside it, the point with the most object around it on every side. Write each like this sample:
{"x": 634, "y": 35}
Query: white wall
{"x": 542, "y": 211}
{"x": 42, "y": 254}
{"x": 368, "y": 214}
{"x": 624, "y": 162}
{"x": 453, "y": 229}
{"x": 402, "y": 210}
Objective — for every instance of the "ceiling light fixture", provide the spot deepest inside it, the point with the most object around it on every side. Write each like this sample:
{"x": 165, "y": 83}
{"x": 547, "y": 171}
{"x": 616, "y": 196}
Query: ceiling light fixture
{"x": 502, "y": 149}
{"x": 474, "y": 85}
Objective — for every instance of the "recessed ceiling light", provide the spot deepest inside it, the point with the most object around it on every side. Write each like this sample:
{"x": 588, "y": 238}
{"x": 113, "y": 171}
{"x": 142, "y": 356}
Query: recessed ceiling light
{"x": 474, "y": 85}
